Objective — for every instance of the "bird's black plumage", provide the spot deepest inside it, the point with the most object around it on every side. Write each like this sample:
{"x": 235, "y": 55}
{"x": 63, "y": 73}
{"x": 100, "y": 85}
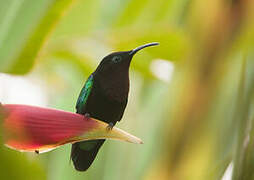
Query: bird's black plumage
{"x": 104, "y": 97}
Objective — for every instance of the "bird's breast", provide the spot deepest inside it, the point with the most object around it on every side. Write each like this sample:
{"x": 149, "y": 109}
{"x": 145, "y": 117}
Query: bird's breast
{"x": 103, "y": 107}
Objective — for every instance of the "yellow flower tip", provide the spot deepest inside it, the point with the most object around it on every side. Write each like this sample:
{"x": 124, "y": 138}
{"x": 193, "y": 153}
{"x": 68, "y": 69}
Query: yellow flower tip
{"x": 101, "y": 132}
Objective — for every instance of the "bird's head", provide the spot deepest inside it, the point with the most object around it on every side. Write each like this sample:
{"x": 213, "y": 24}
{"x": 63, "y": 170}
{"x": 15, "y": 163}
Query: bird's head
{"x": 119, "y": 62}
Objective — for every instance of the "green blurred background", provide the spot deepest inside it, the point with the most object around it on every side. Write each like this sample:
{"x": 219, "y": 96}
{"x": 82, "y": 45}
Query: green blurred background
{"x": 191, "y": 98}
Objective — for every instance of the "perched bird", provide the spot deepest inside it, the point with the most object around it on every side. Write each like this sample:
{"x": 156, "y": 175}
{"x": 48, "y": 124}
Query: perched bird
{"x": 104, "y": 97}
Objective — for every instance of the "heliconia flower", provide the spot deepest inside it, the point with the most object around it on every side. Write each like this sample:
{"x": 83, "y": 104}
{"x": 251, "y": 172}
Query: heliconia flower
{"x": 37, "y": 129}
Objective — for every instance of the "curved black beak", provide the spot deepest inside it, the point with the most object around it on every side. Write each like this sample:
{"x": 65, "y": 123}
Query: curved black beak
{"x": 134, "y": 51}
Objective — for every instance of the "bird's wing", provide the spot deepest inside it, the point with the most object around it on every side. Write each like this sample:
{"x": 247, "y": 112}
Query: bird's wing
{"x": 84, "y": 94}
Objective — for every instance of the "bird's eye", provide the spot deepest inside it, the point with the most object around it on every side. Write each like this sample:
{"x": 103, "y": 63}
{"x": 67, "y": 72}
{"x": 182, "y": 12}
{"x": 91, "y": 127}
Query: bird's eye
{"x": 116, "y": 59}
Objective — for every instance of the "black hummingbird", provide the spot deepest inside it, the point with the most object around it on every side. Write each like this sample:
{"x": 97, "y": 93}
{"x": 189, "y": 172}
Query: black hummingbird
{"x": 104, "y": 97}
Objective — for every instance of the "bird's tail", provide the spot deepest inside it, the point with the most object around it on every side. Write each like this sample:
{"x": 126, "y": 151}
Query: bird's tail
{"x": 84, "y": 153}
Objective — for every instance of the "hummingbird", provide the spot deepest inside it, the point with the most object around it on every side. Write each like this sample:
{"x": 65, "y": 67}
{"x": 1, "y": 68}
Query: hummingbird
{"x": 104, "y": 97}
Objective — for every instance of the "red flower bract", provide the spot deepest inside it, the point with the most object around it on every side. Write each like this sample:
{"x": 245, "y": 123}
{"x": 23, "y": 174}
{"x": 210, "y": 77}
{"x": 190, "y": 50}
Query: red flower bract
{"x": 28, "y": 127}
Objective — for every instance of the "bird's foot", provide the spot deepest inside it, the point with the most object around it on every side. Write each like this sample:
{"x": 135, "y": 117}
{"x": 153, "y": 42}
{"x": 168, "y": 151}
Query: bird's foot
{"x": 87, "y": 115}
{"x": 110, "y": 126}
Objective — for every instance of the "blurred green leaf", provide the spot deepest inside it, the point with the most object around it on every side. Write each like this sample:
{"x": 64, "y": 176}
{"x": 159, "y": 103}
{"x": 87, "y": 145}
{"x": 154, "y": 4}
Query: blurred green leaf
{"x": 19, "y": 167}
{"x": 25, "y": 25}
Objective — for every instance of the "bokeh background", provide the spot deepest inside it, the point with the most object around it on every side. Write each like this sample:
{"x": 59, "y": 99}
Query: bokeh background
{"x": 191, "y": 98}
